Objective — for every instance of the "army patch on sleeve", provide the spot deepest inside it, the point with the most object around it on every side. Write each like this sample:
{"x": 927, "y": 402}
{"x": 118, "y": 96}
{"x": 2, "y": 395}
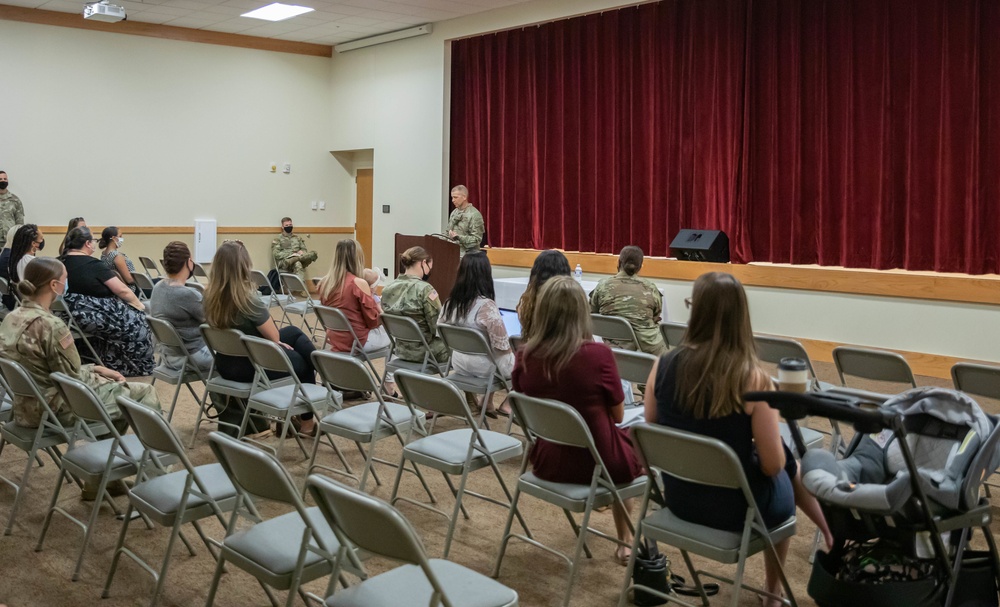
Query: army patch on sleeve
{"x": 66, "y": 341}
{"x": 433, "y": 295}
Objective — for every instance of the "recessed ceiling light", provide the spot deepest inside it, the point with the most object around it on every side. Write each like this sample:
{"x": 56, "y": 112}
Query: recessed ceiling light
{"x": 277, "y": 12}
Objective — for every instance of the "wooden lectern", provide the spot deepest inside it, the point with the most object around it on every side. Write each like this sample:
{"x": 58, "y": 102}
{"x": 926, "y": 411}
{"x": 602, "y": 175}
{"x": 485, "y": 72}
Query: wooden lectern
{"x": 444, "y": 252}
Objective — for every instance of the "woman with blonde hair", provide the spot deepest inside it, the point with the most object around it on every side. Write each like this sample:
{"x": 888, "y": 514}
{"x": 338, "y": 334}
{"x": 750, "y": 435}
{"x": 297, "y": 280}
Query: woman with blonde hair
{"x": 699, "y": 387}
{"x": 231, "y": 302}
{"x": 561, "y": 361}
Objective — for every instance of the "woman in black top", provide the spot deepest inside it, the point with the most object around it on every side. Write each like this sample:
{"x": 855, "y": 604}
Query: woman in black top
{"x": 104, "y": 307}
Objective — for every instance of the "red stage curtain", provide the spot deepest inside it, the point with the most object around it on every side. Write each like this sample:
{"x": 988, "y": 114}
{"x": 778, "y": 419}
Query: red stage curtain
{"x": 841, "y": 132}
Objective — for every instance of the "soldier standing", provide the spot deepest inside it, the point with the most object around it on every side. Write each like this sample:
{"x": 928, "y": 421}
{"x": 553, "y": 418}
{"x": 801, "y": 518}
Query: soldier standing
{"x": 465, "y": 224}
{"x": 635, "y": 299}
{"x": 11, "y": 209}
{"x": 290, "y": 252}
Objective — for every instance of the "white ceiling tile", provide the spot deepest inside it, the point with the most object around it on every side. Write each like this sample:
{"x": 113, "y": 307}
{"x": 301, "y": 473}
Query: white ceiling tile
{"x": 148, "y": 17}
{"x": 29, "y": 3}
{"x": 195, "y": 22}
{"x": 364, "y": 21}
{"x": 233, "y": 26}
{"x": 63, "y": 6}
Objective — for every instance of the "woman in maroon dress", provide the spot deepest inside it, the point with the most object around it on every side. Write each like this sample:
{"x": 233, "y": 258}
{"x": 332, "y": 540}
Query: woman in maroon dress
{"x": 561, "y": 361}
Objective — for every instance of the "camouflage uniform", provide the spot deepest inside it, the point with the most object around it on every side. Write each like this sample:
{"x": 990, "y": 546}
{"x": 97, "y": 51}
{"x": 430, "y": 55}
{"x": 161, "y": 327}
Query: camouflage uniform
{"x": 11, "y": 214}
{"x": 284, "y": 247}
{"x": 468, "y": 224}
{"x": 411, "y": 297}
{"x": 638, "y": 301}
{"x": 42, "y": 344}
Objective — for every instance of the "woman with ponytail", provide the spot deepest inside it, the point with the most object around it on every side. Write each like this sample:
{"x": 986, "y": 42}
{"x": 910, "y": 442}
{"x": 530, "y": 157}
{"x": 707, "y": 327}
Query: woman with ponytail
{"x": 41, "y": 343}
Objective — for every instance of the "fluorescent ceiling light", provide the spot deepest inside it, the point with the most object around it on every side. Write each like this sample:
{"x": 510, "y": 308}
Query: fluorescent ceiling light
{"x": 277, "y": 12}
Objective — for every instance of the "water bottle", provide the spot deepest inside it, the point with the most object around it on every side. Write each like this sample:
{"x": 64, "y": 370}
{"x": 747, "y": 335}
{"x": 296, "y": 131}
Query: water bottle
{"x": 578, "y": 273}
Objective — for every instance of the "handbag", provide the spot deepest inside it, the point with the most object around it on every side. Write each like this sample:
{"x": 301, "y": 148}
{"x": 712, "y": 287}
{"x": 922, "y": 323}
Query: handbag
{"x": 651, "y": 570}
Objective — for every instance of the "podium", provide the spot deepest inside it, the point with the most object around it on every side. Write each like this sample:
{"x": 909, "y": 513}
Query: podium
{"x": 444, "y": 252}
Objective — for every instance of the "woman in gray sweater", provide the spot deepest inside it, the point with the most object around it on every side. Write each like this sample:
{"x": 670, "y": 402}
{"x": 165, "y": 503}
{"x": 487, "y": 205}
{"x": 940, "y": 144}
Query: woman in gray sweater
{"x": 181, "y": 306}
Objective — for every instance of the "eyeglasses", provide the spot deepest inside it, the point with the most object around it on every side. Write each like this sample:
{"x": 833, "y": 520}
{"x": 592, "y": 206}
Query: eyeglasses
{"x": 687, "y": 302}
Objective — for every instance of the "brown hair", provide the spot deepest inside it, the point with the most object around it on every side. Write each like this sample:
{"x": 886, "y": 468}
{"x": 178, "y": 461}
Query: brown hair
{"x": 230, "y": 293}
{"x": 39, "y": 272}
{"x": 561, "y": 323}
{"x": 548, "y": 264}
{"x": 347, "y": 257}
{"x": 412, "y": 257}
{"x": 630, "y": 260}
{"x": 175, "y": 256}
{"x": 720, "y": 359}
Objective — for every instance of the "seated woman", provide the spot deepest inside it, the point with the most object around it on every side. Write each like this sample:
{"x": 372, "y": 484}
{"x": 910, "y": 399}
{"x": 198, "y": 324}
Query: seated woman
{"x": 41, "y": 343}
{"x": 698, "y": 388}
{"x": 104, "y": 307}
{"x": 412, "y": 296}
{"x": 181, "y": 306}
{"x": 635, "y": 299}
{"x": 346, "y": 288}
{"x": 232, "y": 302}
{"x": 111, "y": 240}
{"x": 548, "y": 264}
{"x": 472, "y": 304}
{"x": 28, "y": 240}
{"x": 8, "y": 300}
{"x": 76, "y": 222}
{"x": 562, "y": 361}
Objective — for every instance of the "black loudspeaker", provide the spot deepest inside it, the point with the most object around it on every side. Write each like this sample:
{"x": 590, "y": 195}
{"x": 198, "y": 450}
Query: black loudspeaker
{"x": 701, "y": 245}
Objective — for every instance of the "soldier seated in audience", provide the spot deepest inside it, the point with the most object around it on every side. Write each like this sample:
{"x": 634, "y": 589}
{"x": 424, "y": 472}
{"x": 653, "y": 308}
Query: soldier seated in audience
{"x": 290, "y": 252}
{"x": 635, "y": 299}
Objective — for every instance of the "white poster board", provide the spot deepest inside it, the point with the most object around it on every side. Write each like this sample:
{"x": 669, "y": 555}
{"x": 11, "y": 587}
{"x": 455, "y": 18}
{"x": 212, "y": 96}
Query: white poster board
{"x": 205, "y": 234}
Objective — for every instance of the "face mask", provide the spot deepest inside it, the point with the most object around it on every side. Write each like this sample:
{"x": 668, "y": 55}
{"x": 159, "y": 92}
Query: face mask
{"x": 65, "y": 288}
{"x": 41, "y": 245}
{"x": 288, "y": 229}
{"x": 4, "y": 184}
{"x": 427, "y": 275}
{"x": 121, "y": 241}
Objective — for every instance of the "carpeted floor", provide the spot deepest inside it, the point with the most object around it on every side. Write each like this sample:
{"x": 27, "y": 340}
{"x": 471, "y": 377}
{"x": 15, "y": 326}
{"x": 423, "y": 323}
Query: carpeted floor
{"x": 29, "y": 578}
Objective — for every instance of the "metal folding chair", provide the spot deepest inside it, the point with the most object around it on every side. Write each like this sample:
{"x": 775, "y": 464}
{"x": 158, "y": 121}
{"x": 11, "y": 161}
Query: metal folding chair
{"x": 360, "y": 520}
{"x": 91, "y": 461}
{"x": 332, "y": 319}
{"x": 61, "y": 309}
{"x": 706, "y": 461}
{"x": 403, "y": 329}
{"x": 877, "y": 365}
{"x": 634, "y": 367}
{"x": 167, "y": 337}
{"x": 144, "y": 284}
{"x": 282, "y": 402}
{"x": 672, "y": 332}
{"x": 454, "y": 452}
{"x": 47, "y": 437}
{"x": 170, "y": 499}
{"x": 366, "y": 423}
{"x": 291, "y": 284}
{"x": 283, "y": 552}
{"x": 274, "y": 300}
{"x": 473, "y": 342}
{"x": 980, "y": 380}
{"x": 152, "y": 270}
{"x": 561, "y": 424}
{"x": 616, "y": 331}
{"x": 199, "y": 273}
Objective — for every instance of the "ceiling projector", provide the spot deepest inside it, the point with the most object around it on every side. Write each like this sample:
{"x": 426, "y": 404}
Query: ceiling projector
{"x": 104, "y": 11}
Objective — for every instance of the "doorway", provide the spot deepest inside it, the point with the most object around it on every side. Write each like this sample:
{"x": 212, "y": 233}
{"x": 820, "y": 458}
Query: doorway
{"x": 364, "y": 181}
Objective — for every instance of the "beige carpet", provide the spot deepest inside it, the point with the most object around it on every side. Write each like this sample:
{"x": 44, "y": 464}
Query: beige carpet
{"x": 29, "y": 578}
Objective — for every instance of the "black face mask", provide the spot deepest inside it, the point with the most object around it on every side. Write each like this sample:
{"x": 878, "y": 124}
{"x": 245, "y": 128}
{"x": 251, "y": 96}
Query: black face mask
{"x": 288, "y": 229}
{"x": 4, "y": 184}
{"x": 41, "y": 245}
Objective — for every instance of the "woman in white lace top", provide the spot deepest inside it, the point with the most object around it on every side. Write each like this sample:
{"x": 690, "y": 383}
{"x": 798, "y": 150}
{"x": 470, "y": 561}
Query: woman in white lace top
{"x": 472, "y": 305}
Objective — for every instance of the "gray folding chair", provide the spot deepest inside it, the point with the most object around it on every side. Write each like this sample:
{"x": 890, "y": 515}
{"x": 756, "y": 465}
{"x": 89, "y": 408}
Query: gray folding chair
{"x": 980, "y": 380}
{"x": 705, "y": 461}
{"x": 47, "y": 437}
{"x": 91, "y": 461}
{"x": 368, "y": 523}
{"x": 292, "y": 285}
{"x": 634, "y": 367}
{"x": 672, "y": 332}
{"x": 283, "y": 552}
{"x": 877, "y": 365}
{"x": 332, "y": 319}
{"x": 197, "y": 286}
{"x": 616, "y": 331}
{"x": 473, "y": 342}
{"x": 366, "y": 423}
{"x": 403, "y": 329}
{"x": 274, "y": 300}
{"x": 167, "y": 337}
{"x": 282, "y": 402}
{"x": 198, "y": 273}
{"x": 170, "y": 499}
{"x": 152, "y": 271}
{"x": 454, "y": 452}
{"x": 7, "y": 289}
{"x": 145, "y": 285}
{"x": 60, "y": 309}
{"x": 560, "y": 424}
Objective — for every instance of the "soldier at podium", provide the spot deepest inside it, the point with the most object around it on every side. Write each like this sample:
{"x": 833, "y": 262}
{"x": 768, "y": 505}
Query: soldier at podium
{"x": 465, "y": 225}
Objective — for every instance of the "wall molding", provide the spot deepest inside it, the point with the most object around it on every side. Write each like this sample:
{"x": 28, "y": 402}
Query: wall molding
{"x": 155, "y": 30}
{"x": 961, "y": 288}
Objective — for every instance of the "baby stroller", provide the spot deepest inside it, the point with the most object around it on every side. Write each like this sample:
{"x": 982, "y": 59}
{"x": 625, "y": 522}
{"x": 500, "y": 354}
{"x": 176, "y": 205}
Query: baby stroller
{"x": 905, "y": 499}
